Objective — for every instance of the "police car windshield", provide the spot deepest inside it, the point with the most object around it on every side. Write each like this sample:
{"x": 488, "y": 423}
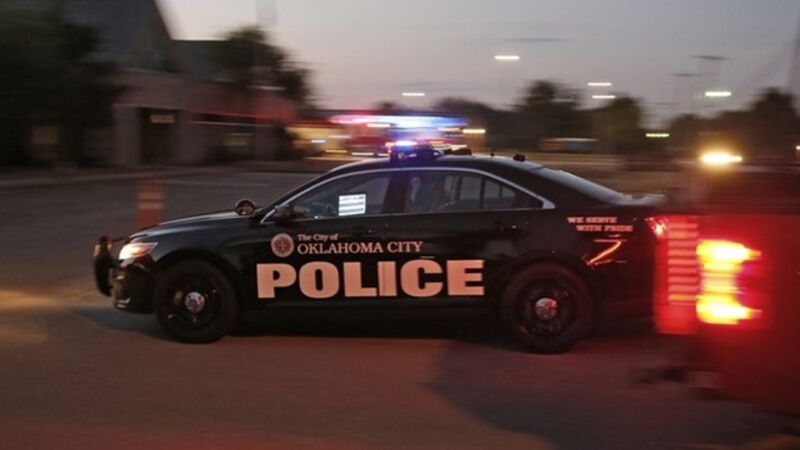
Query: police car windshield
{"x": 582, "y": 185}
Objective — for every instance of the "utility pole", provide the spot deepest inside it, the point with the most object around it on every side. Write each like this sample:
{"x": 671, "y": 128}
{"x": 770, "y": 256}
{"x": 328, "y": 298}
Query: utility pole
{"x": 708, "y": 73}
{"x": 678, "y": 92}
{"x": 794, "y": 74}
{"x": 267, "y": 14}
{"x": 266, "y": 19}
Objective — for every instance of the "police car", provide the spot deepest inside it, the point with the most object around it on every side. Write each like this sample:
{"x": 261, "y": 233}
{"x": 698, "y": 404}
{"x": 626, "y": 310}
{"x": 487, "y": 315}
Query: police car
{"x": 550, "y": 252}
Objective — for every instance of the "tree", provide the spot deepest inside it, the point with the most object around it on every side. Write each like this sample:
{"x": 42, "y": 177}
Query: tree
{"x": 684, "y": 131}
{"x": 249, "y": 59}
{"x": 766, "y": 130}
{"x": 618, "y": 125}
{"x": 502, "y": 126}
{"x": 773, "y": 125}
{"x": 388, "y": 107}
{"x": 47, "y": 75}
{"x": 549, "y": 109}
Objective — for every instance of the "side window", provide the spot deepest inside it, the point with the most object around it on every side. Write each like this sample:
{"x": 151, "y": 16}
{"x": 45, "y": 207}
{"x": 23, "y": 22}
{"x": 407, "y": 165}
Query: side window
{"x": 352, "y": 196}
{"x": 499, "y": 196}
{"x": 452, "y": 192}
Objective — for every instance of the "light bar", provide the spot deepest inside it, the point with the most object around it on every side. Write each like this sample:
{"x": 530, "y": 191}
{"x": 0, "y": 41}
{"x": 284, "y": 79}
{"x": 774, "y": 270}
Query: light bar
{"x": 599, "y": 84}
{"x": 474, "y": 131}
{"x": 413, "y": 94}
{"x": 604, "y": 96}
{"x": 657, "y": 135}
{"x": 403, "y": 143}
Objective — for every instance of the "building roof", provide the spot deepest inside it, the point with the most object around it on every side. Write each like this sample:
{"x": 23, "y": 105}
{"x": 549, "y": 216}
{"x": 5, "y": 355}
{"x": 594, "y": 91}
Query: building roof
{"x": 121, "y": 25}
{"x": 118, "y": 22}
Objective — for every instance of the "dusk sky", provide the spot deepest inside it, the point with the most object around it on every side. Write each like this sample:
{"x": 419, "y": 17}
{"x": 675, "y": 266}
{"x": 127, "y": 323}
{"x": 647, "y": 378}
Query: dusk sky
{"x": 364, "y": 51}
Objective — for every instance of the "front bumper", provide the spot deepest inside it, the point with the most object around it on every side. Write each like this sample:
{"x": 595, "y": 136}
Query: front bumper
{"x": 128, "y": 284}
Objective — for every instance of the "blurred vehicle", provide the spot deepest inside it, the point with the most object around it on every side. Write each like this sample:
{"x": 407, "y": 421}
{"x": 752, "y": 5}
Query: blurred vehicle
{"x": 551, "y": 253}
{"x": 568, "y": 145}
{"x": 315, "y": 138}
{"x": 372, "y": 134}
{"x": 720, "y": 158}
{"x": 728, "y": 274}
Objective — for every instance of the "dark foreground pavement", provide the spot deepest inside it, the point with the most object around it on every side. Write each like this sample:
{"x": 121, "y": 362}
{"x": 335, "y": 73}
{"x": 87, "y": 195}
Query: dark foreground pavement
{"x": 76, "y": 373}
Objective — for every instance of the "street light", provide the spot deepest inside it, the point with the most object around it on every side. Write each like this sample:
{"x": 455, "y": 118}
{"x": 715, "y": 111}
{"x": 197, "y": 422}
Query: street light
{"x": 720, "y": 158}
{"x": 600, "y": 84}
{"x": 413, "y": 94}
{"x": 506, "y": 58}
{"x": 718, "y": 94}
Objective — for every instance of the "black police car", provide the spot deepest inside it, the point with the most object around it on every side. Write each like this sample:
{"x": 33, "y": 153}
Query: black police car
{"x": 550, "y": 252}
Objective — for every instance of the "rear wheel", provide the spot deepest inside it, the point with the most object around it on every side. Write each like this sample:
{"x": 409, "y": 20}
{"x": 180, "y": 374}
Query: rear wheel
{"x": 547, "y": 308}
{"x": 195, "y": 302}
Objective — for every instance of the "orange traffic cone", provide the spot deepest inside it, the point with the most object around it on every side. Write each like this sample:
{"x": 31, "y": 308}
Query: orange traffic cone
{"x": 150, "y": 201}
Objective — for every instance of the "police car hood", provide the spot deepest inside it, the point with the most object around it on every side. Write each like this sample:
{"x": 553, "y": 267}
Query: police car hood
{"x": 203, "y": 218}
{"x": 199, "y": 221}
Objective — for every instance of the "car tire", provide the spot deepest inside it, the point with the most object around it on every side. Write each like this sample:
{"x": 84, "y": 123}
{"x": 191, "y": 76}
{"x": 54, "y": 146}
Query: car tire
{"x": 547, "y": 308}
{"x": 195, "y": 302}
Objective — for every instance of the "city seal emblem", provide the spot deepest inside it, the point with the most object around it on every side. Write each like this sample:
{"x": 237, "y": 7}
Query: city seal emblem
{"x": 282, "y": 245}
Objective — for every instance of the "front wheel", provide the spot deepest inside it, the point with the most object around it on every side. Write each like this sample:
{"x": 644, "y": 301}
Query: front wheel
{"x": 547, "y": 308}
{"x": 195, "y": 302}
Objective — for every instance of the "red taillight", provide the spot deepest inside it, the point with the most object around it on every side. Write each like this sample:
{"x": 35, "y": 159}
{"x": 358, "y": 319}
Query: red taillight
{"x": 724, "y": 266}
{"x": 677, "y": 277}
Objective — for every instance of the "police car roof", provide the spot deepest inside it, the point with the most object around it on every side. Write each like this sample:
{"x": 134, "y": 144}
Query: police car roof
{"x": 476, "y": 162}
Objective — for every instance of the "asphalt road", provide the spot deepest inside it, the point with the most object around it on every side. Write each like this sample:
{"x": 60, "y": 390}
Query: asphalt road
{"x": 75, "y": 372}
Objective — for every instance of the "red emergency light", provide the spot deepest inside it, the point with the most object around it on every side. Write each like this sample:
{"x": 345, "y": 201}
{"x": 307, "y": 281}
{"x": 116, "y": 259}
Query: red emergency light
{"x": 723, "y": 298}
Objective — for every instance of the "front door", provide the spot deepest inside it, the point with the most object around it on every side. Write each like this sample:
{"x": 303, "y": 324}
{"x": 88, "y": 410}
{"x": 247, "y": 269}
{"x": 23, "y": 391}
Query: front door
{"x": 331, "y": 249}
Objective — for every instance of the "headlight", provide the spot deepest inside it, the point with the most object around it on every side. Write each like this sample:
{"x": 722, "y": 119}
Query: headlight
{"x": 136, "y": 250}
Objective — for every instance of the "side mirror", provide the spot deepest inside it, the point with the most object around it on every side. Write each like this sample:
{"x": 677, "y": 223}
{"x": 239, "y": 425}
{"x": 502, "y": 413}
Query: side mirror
{"x": 245, "y": 207}
{"x": 283, "y": 214}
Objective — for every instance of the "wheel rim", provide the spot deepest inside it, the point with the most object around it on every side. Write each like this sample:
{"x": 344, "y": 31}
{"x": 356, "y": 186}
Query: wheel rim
{"x": 192, "y": 302}
{"x": 545, "y": 309}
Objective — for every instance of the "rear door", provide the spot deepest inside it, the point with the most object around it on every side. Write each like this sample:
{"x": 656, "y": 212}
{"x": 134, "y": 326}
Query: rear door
{"x": 460, "y": 227}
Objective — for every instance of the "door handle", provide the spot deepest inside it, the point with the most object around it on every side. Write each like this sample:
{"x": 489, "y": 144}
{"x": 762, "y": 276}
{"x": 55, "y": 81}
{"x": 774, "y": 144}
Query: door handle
{"x": 362, "y": 231}
{"x": 505, "y": 229}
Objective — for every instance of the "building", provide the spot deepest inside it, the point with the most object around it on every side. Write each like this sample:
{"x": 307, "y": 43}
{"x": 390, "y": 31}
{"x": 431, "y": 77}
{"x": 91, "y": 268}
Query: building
{"x": 177, "y": 107}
